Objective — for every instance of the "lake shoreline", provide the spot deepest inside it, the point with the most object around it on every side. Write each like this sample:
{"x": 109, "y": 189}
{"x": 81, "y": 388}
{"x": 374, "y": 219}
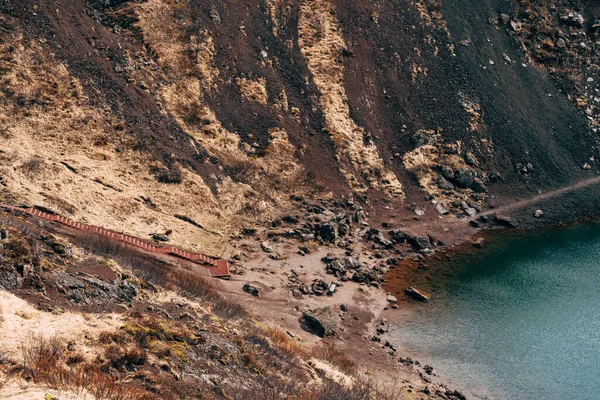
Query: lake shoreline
{"x": 438, "y": 273}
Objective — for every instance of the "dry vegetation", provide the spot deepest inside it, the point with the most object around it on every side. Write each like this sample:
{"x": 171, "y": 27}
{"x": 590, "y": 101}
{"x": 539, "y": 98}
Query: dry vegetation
{"x": 321, "y": 42}
{"x": 69, "y": 154}
{"x": 178, "y": 339}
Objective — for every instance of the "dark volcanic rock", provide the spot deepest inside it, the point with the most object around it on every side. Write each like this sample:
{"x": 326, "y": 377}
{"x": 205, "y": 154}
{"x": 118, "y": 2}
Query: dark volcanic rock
{"x": 321, "y": 322}
{"x": 464, "y": 177}
{"x": 478, "y": 186}
{"x": 422, "y": 242}
{"x": 319, "y": 287}
{"x": 328, "y": 232}
{"x": 505, "y": 221}
{"x": 253, "y": 290}
{"x": 443, "y": 183}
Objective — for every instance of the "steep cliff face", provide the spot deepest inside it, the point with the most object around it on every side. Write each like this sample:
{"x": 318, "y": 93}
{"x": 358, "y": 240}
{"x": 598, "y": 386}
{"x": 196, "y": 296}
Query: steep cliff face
{"x": 143, "y": 115}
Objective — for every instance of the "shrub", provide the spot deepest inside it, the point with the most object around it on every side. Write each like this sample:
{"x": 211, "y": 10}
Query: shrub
{"x": 170, "y": 175}
{"x": 34, "y": 165}
{"x": 334, "y": 356}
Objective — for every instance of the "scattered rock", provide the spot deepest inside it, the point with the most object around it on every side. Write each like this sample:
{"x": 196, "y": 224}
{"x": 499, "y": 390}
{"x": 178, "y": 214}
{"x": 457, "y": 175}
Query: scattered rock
{"x": 464, "y": 177}
{"x": 479, "y": 243}
{"x": 422, "y": 242}
{"x": 441, "y": 208}
{"x": 478, "y": 186}
{"x": 253, "y": 290}
{"x": 495, "y": 177}
{"x": 391, "y": 299}
{"x": 422, "y": 137}
{"x": 428, "y": 369}
{"x": 538, "y": 214}
{"x": 319, "y": 287}
{"x": 505, "y": 220}
{"x": 443, "y": 183}
{"x": 416, "y": 294}
{"x": 278, "y": 256}
{"x": 266, "y": 246}
{"x": 214, "y": 15}
{"x": 327, "y": 232}
{"x": 586, "y": 167}
{"x": 288, "y": 219}
{"x": 571, "y": 17}
{"x": 331, "y": 289}
{"x": 383, "y": 241}
{"x": 159, "y": 237}
{"x": 4, "y": 234}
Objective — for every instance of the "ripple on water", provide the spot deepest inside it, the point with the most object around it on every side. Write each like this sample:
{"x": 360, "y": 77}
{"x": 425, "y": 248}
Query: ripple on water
{"x": 521, "y": 323}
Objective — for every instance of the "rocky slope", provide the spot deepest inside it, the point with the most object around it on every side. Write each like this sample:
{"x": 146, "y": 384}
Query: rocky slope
{"x": 83, "y": 317}
{"x": 312, "y": 142}
{"x": 136, "y": 114}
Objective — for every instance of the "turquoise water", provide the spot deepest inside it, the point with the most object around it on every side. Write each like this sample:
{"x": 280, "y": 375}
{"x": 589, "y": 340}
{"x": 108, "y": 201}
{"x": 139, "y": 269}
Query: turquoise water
{"x": 521, "y": 323}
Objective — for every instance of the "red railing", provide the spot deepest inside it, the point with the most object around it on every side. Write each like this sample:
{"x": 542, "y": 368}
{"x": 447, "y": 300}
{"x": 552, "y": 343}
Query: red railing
{"x": 217, "y": 267}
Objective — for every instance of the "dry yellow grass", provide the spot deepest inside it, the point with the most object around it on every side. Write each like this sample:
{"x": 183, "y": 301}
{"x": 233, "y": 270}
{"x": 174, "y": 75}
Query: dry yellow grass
{"x": 20, "y": 321}
{"x": 65, "y": 154}
{"x": 253, "y": 90}
{"x": 425, "y": 160}
{"x": 321, "y": 42}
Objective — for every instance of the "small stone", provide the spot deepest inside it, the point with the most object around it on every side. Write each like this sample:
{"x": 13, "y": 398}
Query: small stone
{"x": 479, "y": 243}
{"x": 266, "y": 246}
{"x": 416, "y": 294}
{"x": 495, "y": 177}
{"x": 505, "y": 220}
{"x": 538, "y": 214}
{"x": 253, "y": 290}
{"x": 214, "y": 15}
{"x": 392, "y": 299}
{"x": 561, "y": 43}
{"x": 586, "y": 167}
{"x": 440, "y": 208}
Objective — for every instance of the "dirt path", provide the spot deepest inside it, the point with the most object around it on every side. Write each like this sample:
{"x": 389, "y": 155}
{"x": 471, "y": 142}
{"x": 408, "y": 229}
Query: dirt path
{"x": 545, "y": 196}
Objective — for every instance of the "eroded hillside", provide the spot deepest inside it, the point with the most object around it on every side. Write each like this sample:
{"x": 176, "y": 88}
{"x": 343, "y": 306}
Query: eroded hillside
{"x": 198, "y": 117}
{"x": 86, "y": 318}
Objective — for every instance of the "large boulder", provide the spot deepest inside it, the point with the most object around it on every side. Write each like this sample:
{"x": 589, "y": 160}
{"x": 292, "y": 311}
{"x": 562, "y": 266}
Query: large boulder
{"x": 464, "y": 177}
{"x": 321, "y": 322}
{"x": 328, "y": 232}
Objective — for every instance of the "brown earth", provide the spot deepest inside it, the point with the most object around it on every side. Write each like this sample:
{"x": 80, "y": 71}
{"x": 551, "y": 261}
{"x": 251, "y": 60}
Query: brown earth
{"x": 206, "y": 118}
